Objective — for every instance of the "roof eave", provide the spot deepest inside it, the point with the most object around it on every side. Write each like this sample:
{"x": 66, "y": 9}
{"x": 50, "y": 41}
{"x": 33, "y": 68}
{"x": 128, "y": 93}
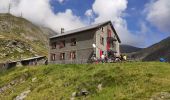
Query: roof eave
{"x": 71, "y": 34}
{"x": 115, "y": 32}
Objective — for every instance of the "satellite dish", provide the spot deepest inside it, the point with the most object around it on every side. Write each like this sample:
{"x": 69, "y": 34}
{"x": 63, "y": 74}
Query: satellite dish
{"x": 94, "y": 45}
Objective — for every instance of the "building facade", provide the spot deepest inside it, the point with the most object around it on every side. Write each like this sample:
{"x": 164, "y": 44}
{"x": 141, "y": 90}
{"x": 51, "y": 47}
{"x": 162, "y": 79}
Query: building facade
{"x": 78, "y": 46}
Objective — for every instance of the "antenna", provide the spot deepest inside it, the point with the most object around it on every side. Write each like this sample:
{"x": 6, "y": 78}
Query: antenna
{"x": 9, "y": 7}
{"x": 21, "y": 15}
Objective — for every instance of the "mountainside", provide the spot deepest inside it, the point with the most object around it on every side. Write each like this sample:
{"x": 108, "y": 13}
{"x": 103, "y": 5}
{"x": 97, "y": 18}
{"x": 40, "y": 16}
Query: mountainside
{"x": 128, "y": 49}
{"x": 118, "y": 81}
{"x": 154, "y": 52}
{"x": 20, "y": 38}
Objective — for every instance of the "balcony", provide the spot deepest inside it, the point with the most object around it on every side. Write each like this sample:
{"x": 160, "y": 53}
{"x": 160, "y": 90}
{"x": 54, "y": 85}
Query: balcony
{"x": 111, "y": 39}
{"x": 112, "y": 48}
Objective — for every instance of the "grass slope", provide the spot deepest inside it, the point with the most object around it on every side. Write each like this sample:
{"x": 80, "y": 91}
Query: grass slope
{"x": 120, "y": 81}
{"x": 21, "y": 39}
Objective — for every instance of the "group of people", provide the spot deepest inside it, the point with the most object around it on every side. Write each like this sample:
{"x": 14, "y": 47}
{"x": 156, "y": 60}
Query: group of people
{"x": 106, "y": 59}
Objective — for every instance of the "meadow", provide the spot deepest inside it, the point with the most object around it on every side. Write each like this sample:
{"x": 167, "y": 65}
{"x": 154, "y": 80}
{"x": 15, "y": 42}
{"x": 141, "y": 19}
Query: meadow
{"x": 114, "y": 81}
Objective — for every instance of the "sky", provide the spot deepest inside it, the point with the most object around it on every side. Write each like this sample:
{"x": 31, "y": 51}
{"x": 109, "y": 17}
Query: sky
{"x": 139, "y": 23}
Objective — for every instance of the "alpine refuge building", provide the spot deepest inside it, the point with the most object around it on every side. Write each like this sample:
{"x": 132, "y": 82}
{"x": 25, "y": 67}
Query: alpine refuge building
{"x": 80, "y": 45}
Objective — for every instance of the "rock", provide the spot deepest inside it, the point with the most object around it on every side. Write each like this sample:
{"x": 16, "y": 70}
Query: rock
{"x": 12, "y": 43}
{"x": 161, "y": 96}
{"x": 3, "y": 55}
{"x": 74, "y": 94}
{"x": 66, "y": 84}
{"x": 72, "y": 98}
{"x": 34, "y": 79}
{"x": 13, "y": 82}
{"x": 84, "y": 92}
{"x": 21, "y": 79}
{"x": 99, "y": 87}
{"x": 1, "y": 90}
{"x": 22, "y": 95}
{"x": 19, "y": 50}
{"x": 8, "y": 86}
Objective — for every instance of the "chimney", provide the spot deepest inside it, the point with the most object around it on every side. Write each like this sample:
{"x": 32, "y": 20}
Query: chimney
{"x": 62, "y": 30}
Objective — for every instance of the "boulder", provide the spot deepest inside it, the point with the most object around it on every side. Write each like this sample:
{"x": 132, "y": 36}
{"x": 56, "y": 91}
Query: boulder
{"x": 74, "y": 94}
{"x": 84, "y": 92}
{"x": 99, "y": 87}
{"x": 22, "y": 95}
{"x": 34, "y": 79}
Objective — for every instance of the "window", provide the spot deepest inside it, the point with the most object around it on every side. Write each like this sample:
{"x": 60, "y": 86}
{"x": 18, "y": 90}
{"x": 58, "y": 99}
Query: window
{"x": 73, "y": 55}
{"x": 102, "y": 29}
{"x": 53, "y": 57}
{"x": 62, "y": 56}
{"x": 62, "y": 44}
{"x": 73, "y": 42}
{"x": 53, "y": 45}
{"x": 113, "y": 44}
{"x": 109, "y": 33}
{"x": 101, "y": 40}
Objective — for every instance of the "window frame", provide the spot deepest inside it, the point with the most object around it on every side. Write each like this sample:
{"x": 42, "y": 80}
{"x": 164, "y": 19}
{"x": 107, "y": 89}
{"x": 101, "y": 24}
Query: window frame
{"x": 62, "y": 44}
{"x": 102, "y": 28}
{"x": 101, "y": 40}
{"x": 53, "y": 57}
{"x": 53, "y": 45}
{"x": 62, "y": 56}
{"x": 73, "y": 42}
{"x": 73, "y": 55}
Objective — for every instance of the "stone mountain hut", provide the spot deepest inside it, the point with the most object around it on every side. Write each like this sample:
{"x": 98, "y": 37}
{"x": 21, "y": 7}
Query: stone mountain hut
{"x": 78, "y": 46}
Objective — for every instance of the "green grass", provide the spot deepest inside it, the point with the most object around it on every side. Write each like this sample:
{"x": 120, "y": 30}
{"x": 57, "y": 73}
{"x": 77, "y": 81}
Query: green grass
{"x": 120, "y": 81}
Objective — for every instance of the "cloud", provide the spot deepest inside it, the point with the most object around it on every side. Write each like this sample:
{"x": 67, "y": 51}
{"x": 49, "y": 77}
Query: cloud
{"x": 4, "y": 5}
{"x": 135, "y": 38}
{"x": 89, "y": 16}
{"x": 61, "y": 1}
{"x": 65, "y": 20}
{"x": 89, "y": 13}
{"x": 114, "y": 11}
{"x": 40, "y": 12}
{"x": 158, "y": 14}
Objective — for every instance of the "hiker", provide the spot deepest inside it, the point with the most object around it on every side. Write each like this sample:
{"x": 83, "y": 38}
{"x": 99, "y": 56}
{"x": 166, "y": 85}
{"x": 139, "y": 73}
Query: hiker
{"x": 106, "y": 58}
{"x": 124, "y": 58}
{"x": 162, "y": 60}
{"x": 102, "y": 58}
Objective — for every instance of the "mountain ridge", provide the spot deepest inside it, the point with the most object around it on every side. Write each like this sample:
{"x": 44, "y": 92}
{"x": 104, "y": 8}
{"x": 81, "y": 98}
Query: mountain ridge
{"x": 128, "y": 48}
{"x": 154, "y": 52}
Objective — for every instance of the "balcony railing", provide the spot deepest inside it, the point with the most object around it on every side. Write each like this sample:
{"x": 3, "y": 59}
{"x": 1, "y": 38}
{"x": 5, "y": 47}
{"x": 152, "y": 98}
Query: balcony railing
{"x": 111, "y": 39}
{"x": 112, "y": 48}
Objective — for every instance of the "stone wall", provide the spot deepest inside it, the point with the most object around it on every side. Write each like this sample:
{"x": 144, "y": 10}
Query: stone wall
{"x": 83, "y": 47}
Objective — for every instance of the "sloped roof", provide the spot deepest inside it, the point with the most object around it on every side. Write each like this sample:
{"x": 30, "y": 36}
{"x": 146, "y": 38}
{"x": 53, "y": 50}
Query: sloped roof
{"x": 86, "y": 29}
{"x": 37, "y": 57}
